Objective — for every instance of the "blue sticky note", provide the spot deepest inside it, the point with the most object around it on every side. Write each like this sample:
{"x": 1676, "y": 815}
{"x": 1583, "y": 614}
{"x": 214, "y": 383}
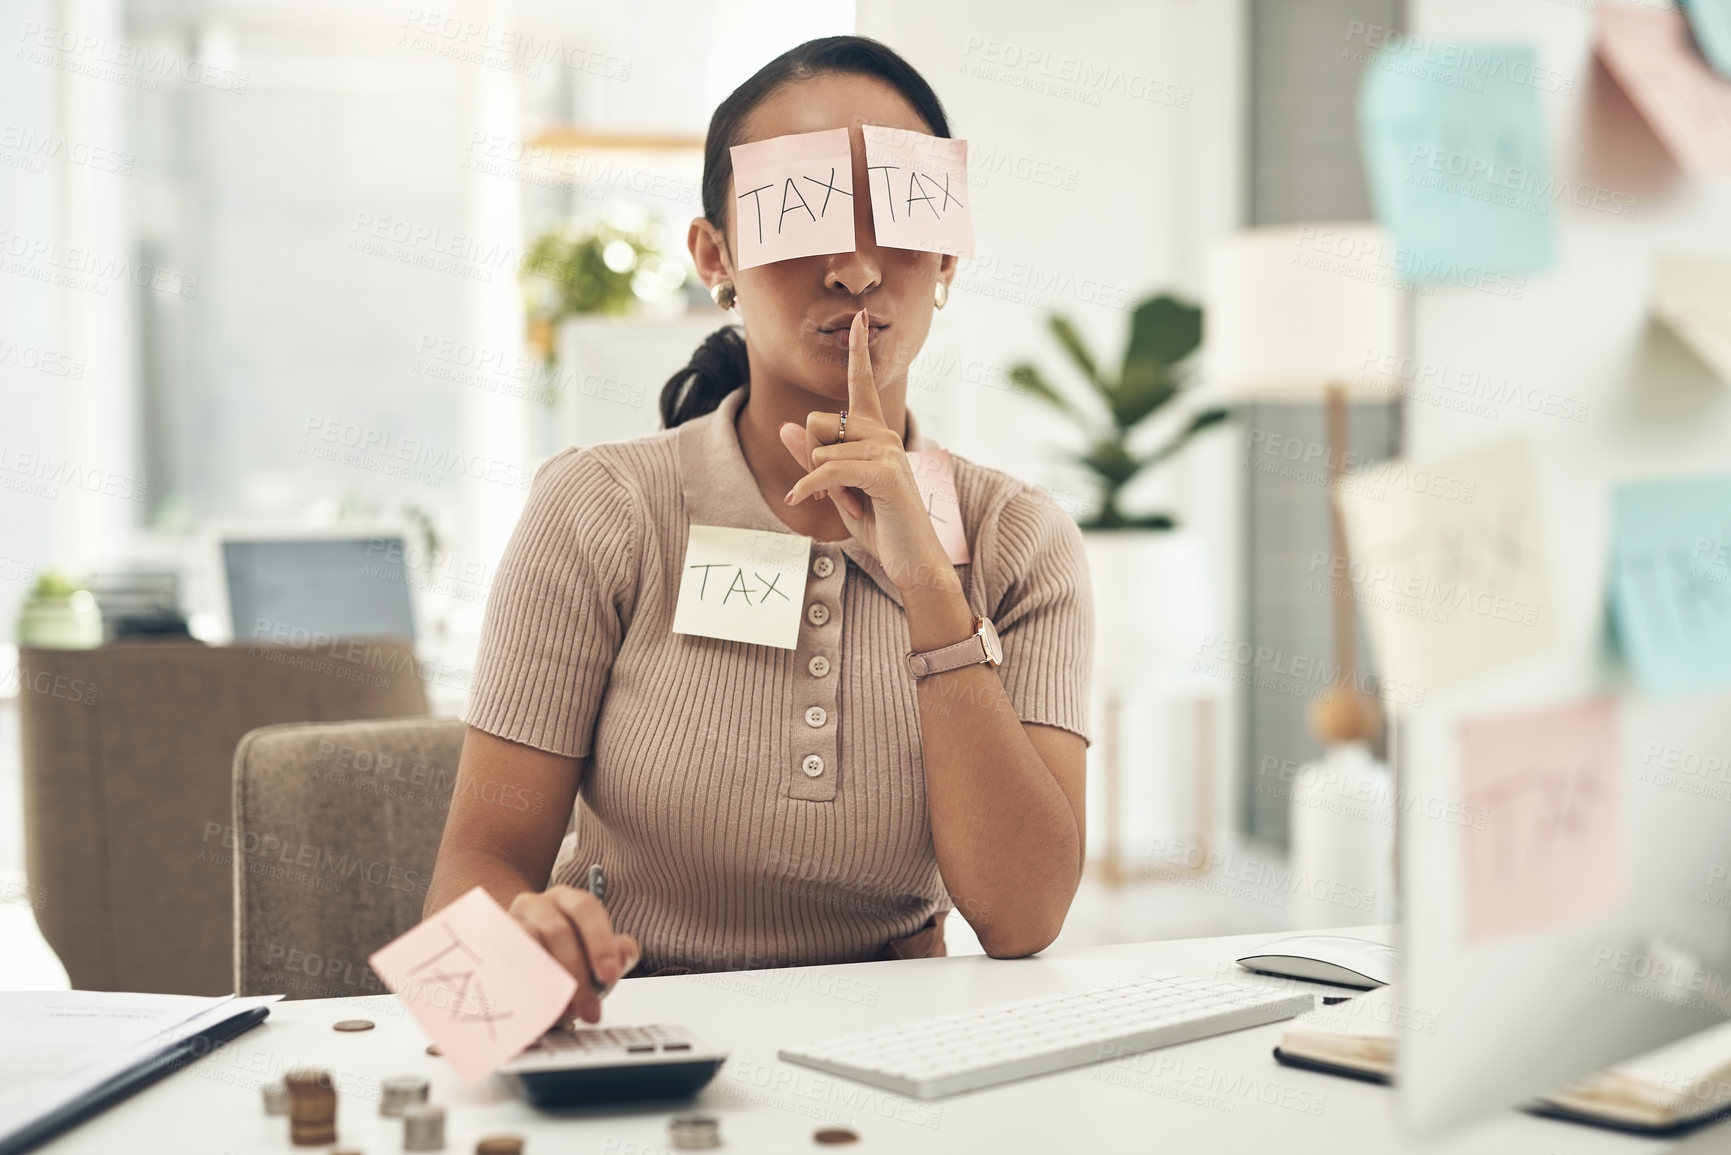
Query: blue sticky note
{"x": 1671, "y": 582}
{"x": 1710, "y": 21}
{"x": 1454, "y": 153}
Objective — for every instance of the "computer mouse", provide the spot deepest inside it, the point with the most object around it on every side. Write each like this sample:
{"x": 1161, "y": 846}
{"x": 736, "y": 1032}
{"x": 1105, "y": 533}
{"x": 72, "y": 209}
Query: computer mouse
{"x": 1327, "y": 958}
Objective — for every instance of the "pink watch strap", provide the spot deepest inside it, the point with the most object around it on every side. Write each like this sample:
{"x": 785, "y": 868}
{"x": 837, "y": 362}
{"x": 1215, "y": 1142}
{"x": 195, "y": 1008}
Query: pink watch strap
{"x": 967, "y": 652}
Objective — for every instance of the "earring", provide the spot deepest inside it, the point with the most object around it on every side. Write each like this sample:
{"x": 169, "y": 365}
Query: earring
{"x": 941, "y": 294}
{"x": 723, "y": 294}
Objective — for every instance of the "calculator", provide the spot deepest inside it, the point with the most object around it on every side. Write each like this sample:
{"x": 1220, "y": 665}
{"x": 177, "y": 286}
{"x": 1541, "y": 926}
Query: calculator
{"x": 582, "y": 1065}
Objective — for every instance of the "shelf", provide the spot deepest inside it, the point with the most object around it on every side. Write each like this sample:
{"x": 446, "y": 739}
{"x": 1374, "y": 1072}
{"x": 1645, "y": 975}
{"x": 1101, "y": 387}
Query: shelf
{"x": 573, "y": 139}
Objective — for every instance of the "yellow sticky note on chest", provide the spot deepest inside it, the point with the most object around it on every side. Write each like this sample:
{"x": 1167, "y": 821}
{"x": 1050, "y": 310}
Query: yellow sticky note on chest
{"x": 743, "y": 585}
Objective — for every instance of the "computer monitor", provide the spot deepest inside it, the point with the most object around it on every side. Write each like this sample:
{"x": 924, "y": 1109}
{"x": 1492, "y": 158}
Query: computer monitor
{"x": 1637, "y": 950}
{"x": 306, "y": 588}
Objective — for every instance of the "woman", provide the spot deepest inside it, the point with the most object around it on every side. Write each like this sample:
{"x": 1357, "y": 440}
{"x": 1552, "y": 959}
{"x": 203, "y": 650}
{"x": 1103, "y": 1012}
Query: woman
{"x": 748, "y": 805}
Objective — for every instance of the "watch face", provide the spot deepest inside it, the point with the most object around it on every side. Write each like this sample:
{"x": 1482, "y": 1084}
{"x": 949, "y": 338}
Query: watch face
{"x": 989, "y": 634}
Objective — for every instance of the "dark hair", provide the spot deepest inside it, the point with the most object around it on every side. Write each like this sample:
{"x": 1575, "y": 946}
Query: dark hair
{"x": 719, "y": 365}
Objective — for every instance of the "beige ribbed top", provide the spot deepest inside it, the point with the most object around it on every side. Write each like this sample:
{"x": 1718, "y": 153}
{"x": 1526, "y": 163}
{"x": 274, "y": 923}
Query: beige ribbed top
{"x": 720, "y": 850}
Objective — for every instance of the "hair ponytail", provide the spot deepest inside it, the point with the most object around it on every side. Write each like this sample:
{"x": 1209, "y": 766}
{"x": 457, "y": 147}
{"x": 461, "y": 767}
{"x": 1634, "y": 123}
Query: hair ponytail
{"x": 717, "y": 368}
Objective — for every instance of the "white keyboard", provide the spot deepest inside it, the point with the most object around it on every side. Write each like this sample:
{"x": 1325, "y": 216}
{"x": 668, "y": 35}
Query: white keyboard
{"x": 930, "y": 1058}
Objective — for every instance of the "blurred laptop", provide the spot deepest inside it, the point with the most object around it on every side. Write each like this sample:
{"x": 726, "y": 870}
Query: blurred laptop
{"x": 306, "y": 587}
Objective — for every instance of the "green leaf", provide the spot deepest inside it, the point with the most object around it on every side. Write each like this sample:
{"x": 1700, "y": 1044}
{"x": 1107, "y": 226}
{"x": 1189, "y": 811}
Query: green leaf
{"x": 1140, "y": 395}
{"x": 1197, "y": 424}
{"x": 1025, "y": 376}
{"x": 1163, "y": 331}
{"x": 1072, "y": 343}
{"x": 1112, "y": 460}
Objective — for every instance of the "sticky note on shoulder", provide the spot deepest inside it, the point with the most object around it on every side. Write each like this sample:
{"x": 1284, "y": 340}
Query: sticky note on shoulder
{"x": 919, "y": 190}
{"x": 477, "y": 982}
{"x": 743, "y": 585}
{"x": 793, "y": 197}
{"x": 1546, "y": 846}
{"x": 935, "y": 475}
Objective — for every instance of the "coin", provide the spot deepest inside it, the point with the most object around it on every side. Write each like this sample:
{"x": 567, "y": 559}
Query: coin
{"x": 312, "y": 1108}
{"x": 353, "y": 1025}
{"x": 833, "y": 1135}
{"x": 433, "y": 1049}
{"x": 694, "y": 1132}
{"x": 395, "y": 1095}
{"x": 423, "y": 1127}
{"x": 276, "y": 1098}
{"x": 500, "y": 1145}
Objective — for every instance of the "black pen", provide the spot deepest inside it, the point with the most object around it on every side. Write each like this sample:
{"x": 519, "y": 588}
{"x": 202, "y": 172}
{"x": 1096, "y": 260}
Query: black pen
{"x": 596, "y": 884}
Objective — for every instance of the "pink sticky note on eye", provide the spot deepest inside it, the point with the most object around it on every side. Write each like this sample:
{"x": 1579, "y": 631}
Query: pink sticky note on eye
{"x": 477, "y": 982}
{"x": 919, "y": 190}
{"x": 1549, "y": 850}
{"x": 936, "y": 477}
{"x": 793, "y": 197}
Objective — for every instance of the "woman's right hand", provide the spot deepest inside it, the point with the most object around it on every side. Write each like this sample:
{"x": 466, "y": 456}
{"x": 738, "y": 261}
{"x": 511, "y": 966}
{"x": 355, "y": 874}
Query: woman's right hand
{"x": 574, "y": 927}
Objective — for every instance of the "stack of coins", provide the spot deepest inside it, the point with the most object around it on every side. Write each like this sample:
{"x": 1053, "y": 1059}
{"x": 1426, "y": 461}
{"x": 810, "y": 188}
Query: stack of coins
{"x": 500, "y": 1145}
{"x": 423, "y": 1127}
{"x": 276, "y": 1098}
{"x": 695, "y": 1132}
{"x": 395, "y": 1095}
{"x": 312, "y": 1108}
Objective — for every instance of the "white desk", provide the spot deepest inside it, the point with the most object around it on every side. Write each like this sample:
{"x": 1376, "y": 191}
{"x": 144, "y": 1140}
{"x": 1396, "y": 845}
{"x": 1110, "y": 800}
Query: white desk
{"x": 1219, "y": 1095}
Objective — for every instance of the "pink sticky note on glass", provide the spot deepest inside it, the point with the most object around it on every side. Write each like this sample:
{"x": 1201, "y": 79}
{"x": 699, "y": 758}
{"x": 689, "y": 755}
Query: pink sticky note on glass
{"x": 936, "y": 477}
{"x": 793, "y": 197}
{"x": 919, "y": 190}
{"x": 477, "y": 982}
{"x": 1545, "y": 847}
{"x": 1655, "y": 61}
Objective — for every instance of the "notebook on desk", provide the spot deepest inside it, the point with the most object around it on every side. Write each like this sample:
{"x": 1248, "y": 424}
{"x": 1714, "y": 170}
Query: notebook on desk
{"x": 1663, "y": 1092}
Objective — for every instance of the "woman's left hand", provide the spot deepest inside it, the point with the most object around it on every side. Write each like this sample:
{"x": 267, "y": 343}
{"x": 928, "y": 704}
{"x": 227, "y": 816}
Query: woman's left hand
{"x": 868, "y": 476}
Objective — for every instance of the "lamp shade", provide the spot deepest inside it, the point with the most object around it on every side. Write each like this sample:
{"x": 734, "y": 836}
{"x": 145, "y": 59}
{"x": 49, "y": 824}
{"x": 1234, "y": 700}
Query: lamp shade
{"x": 1295, "y": 309}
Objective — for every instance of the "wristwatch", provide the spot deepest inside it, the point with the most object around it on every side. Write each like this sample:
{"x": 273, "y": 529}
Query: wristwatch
{"x": 979, "y": 646}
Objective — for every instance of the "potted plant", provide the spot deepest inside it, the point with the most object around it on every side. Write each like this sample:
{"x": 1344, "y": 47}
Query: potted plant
{"x": 60, "y": 614}
{"x": 1150, "y": 581}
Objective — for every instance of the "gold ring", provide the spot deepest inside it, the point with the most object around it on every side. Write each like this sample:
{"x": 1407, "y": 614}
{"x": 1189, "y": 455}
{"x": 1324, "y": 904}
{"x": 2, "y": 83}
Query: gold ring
{"x": 841, "y": 433}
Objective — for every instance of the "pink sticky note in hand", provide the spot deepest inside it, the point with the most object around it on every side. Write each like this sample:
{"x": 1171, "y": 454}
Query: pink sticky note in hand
{"x": 936, "y": 477}
{"x": 793, "y": 196}
{"x": 477, "y": 982}
{"x": 1550, "y": 850}
{"x": 919, "y": 190}
{"x": 1655, "y": 61}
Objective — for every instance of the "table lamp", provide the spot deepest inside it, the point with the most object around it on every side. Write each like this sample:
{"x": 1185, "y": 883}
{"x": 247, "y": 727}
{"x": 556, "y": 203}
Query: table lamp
{"x": 1312, "y": 312}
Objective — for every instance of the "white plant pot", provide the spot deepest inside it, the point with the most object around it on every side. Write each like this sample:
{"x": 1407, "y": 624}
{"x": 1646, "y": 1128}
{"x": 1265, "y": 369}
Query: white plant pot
{"x": 1153, "y": 600}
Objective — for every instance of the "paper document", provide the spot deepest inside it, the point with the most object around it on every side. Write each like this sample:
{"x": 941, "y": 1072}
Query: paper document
{"x": 56, "y": 1046}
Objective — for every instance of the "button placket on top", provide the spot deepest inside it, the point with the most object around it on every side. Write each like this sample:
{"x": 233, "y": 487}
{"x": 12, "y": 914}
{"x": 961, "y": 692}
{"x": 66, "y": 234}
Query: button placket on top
{"x": 814, "y": 751}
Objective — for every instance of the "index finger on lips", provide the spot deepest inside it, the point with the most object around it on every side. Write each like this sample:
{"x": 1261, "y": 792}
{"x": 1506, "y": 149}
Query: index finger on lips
{"x": 862, "y": 392}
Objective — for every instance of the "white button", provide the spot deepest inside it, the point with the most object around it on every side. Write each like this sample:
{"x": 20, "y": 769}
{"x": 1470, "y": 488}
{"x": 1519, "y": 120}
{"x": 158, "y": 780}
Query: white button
{"x": 817, "y": 613}
{"x": 813, "y": 765}
{"x": 823, "y": 567}
{"x": 819, "y": 666}
{"x": 816, "y": 716}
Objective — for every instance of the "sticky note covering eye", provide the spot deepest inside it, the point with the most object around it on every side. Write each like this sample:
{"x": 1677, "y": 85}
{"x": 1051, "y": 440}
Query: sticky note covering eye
{"x": 1671, "y": 582}
{"x": 743, "y": 585}
{"x": 477, "y": 982}
{"x": 935, "y": 475}
{"x": 793, "y": 197}
{"x": 919, "y": 190}
{"x": 1549, "y": 851}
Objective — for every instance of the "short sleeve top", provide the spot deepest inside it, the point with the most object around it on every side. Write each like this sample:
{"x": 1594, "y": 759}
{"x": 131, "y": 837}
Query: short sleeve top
{"x": 752, "y": 806}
